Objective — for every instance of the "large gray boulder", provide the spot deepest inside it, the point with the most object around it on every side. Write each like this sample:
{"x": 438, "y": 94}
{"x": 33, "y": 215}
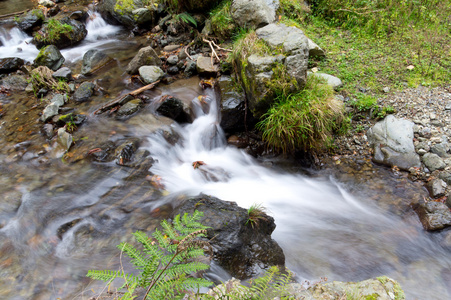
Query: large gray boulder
{"x": 434, "y": 215}
{"x": 93, "y": 60}
{"x": 134, "y": 13}
{"x": 253, "y": 13}
{"x": 239, "y": 248}
{"x": 145, "y": 57}
{"x": 392, "y": 142}
{"x": 50, "y": 57}
{"x": 150, "y": 74}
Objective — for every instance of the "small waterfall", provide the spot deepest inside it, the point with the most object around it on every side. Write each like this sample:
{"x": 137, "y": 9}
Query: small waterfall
{"x": 323, "y": 230}
{"x": 16, "y": 43}
{"x": 98, "y": 28}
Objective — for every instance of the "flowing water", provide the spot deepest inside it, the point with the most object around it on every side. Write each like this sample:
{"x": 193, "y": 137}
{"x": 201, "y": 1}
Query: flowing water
{"x": 59, "y": 220}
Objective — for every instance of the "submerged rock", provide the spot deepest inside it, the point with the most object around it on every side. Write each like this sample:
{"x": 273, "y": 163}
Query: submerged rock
{"x": 129, "y": 108}
{"x": 241, "y": 249}
{"x": 392, "y": 142}
{"x": 93, "y": 60}
{"x": 173, "y": 108}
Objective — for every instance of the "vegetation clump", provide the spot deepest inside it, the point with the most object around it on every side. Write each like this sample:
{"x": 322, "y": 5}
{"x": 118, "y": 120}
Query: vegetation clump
{"x": 55, "y": 30}
{"x": 304, "y": 120}
{"x": 222, "y": 23}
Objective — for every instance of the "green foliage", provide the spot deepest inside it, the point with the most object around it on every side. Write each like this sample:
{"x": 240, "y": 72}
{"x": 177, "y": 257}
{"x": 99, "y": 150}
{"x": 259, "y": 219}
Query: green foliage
{"x": 53, "y": 31}
{"x": 222, "y": 23}
{"x": 166, "y": 261}
{"x": 186, "y": 18}
{"x": 272, "y": 285}
{"x": 256, "y": 213}
{"x": 367, "y": 103}
{"x": 293, "y": 10}
{"x": 41, "y": 77}
{"x": 302, "y": 121}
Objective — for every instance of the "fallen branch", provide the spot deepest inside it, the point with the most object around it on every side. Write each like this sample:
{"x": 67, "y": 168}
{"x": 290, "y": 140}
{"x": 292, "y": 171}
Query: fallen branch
{"x": 213, "y": 52}
{"x": 14, "y": 14}
{"x": 186, "y": 50}
{"x": 120, "y": 100}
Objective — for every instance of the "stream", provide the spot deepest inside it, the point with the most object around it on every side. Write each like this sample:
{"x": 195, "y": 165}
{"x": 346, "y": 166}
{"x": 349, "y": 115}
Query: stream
{"x": 58, "y": 220}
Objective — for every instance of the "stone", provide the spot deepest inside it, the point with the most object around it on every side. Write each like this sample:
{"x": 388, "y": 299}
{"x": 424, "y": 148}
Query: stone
{"x": 49, "y": 112}
{"x": 333, "y": 81}
{"x": 63, "y": 39}
{"x": 436, "y": 188}
{"x": 150, "y": 74}
{"x": 434, "y": 215}
{"x": 445, "y": 176}
{"x": 205, "y": 67}
{"x": 30, "y": 20}
{"x": 93, "y": 60}
{"x": 433, "y": 162}
{"x": 252, "y": 13}
{"x": 145, "y": 57}
{"x": 173, "y": 70}
{"x": 172, "y": 108}
{"x": 240, "y": 249}
{"x": 386, "y": 89}
{"x": 64, "y": 139}
{"x": 63, "y": 73}
{"x": 441, "y": 149}
{"x": 84, "y": 92}
{"x": 172, "y": 60}
{"x": 73, "y": 119}
{"x": 10, "y": 64}
{"x": 392, "y": 142}
{"x": 314, "y": 50}
{"x": 170, "y": 48}
{"x": 14, "y": 82}
{"x": 129, "y": 108}
{"x": 190, "y": 68}
{"x": 46, "y": 3}
{"x": 132, "y": 14}
{"x": 448, "y": 200}
{"x": 51, "y": 57}
{"x": 59, "y": 99}
{"x": 232, "y": 106}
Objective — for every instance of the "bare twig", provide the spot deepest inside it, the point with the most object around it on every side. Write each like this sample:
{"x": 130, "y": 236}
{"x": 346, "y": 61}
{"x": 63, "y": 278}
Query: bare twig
{"x": 118, "y": 101}
{"x": 213, "y": 52}
{"x": 14, "y": 14}
{"x": 186, "y": 49}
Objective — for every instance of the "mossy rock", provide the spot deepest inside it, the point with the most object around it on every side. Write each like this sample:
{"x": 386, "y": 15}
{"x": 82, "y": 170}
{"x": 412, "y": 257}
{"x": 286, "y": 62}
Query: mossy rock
{"x": 131, "y": 13}
{"x": 62, "y": 33}
{"x": 29, "y": 20}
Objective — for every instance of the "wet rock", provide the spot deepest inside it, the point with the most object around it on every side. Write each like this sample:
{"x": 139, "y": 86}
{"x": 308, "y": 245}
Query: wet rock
{"x": 150, "y": 74}
{"x": 31, "y": 19}
{"x": 232, "y": 105}
{"x": 84, "y": 92}
{"x": 104, "y": 153}
{"x": 173, "y": 108}
{"x": 205, "y": 67}
{"x": 392, "y": 142}
{"x": 50, "y": 57}
{"x": 436, "y": 188}
{"x": 59, "y": 99}
{"x": 422, "y": 147}
{"x": 381, "y": 288}
{"x": 49, "y": 112}
{"x": 448, "y": 201}
{"x": 73, "y": 119}
{"x": 10, "y": 64}
{"x": 64, "y": 139}
{"x": 93, "y": 60}
{"x": 314, "y": 50}
{"x": 173, "y": 70}
{"x": 239, "y": 248}
{"x": 170, "y": 48}
{"x": 47, "y": 130}
{"x": 252, "y": 13}
{"x": 129, "y": 108}
{"x": 433, "y": 162}
{"x": 190, "y": 68}
{"x": 125, "y": 151}
{"x": 80, "y": 15}
{"x": 63, "y": 38}
{"x": 14, "y": 82}
{"x": 146, "y": 57}
{"x": 333, "y": 81}
{"x": 434, "y": 215}
{"x": 63, "y": 73}
{"x": 42, "y": 93}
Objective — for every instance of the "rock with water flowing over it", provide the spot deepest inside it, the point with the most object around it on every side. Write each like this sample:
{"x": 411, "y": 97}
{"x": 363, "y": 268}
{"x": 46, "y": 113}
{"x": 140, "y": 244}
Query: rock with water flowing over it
{"x": 253, "y": 13}
{"x": 150, "y": 74}
{"x": 434, "y": 215}
{"x": 173, "y": 108}
{"x": 129, "y": 108}
{"x": 240, "y": 248}
{"x": 51, "y": 57}
{"x": 93, "y": 60}
{"x": 84, "y": 92}
{"x": 145, "y": 57}
{"x": 392, "y": 142}
{"x": 64, "y": 139}
{"x": 10, "y": 64}
{"x": 232, "y": 105}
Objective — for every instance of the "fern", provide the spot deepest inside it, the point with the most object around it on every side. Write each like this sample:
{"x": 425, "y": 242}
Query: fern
{"x": 166, "y": 262}
{"x": 186, "y": 18}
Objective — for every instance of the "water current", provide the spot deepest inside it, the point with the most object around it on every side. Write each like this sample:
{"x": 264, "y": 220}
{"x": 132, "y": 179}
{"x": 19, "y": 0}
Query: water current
{"x": 57, "y": 221}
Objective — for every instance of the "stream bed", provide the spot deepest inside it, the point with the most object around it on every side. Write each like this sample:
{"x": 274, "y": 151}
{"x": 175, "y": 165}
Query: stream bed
{"x": 59, "y": 219}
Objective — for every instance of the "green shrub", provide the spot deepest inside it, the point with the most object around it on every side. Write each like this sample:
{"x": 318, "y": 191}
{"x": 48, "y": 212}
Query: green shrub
{"x": 165, "y": 263}
{"x": 302, "y": 121}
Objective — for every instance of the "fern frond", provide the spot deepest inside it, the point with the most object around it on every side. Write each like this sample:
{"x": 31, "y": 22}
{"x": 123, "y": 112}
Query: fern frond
{"x": 104, "y": 275}
{"x": 138, "y": 259}
{"x": 169, "y": 230}
{"x": 150, "y": 247}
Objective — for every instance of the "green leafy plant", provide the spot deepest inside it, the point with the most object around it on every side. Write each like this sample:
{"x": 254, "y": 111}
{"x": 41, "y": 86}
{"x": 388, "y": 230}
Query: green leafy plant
{"x": 255, "y": 213}
{"x": 41, "y": 77}
{"x": 166, "y": 261}
{"x": 186, "y": 18}
{"x": 54, "y": 30}
{"x": 222, "y": 22}
{"x": 304, "y": 120}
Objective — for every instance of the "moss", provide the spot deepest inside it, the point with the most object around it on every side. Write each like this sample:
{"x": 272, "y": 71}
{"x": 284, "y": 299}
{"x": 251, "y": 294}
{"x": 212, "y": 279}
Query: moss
{"x": 222, "y": 22}
{"x": 38, "y": 13}
{"x": 399, "y": 293}
{"x": 54, "y": 30}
